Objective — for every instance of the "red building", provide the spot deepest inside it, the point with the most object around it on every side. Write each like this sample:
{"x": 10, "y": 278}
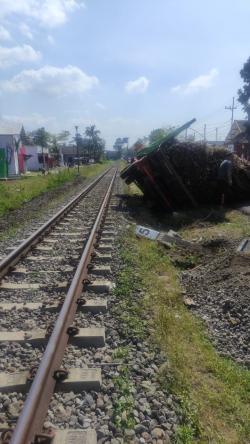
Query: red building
{"x": 22, "y": 159}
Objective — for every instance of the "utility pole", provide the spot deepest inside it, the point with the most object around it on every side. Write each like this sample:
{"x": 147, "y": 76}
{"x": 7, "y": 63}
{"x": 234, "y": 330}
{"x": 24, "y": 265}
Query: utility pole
{"x": 216, "y": 132}
{"x": 77, "y": 149}
{"x": 231, "y": 108}
{"x": 186, "y": 134}
{"x": 205, "y": 131}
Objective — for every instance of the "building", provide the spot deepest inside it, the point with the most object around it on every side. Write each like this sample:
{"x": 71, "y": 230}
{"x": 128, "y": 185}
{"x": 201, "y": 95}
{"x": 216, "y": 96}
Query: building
{"x": 215, "y": 143}
{"x": 68, "y": 153}
{"x": 35, "y": 157}
{"x": 238, "y": 138}
{"x": 22, "y": 159}
{"x": 19, "y": 154}
{"x": 9, "y": 147}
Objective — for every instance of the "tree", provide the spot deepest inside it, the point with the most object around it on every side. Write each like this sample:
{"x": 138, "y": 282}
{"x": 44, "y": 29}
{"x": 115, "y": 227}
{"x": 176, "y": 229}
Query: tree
{"x": 118, "y": 147}
{"x": 100, "y": 149}
{"x": 138, "y": 145}
{"x": 42, "y": 138}
{"x": 62, "y": 136}
{"x": 121, "y": 146}
{"x": 157, "y": 134}
{"x": 57, "y": 142}
{"x": 95, "y": 143}
{"x": 244, "y": 93}
{"x": 24, "y": 138}
{"x": 54, "y": 148}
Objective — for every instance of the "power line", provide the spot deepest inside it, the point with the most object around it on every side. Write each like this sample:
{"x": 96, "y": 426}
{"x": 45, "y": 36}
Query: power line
{"x": 219, "y": 124}
{"x": 205, "y": 132}
{"x": 213, "y": 129}
{"x": 231, "y": 108}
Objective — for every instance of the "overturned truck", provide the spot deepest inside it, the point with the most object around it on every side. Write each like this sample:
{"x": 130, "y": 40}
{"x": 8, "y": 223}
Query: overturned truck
{"x": 173, "y": 174}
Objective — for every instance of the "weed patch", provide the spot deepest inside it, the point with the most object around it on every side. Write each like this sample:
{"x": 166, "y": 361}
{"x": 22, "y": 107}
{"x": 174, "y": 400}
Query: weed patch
{"x": 124, "y": 406}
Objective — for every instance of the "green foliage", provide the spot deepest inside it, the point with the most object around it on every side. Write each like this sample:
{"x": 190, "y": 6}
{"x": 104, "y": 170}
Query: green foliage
{"x": 121, "y": 352}
{"x": 157, "y": 134}
{"x": 129, "y": 310}
{"x": 62, "y": 136}
{"x": 184, "y": 435}
{"x": 94, "y": 143}
{"x": 55, "y": 180}
{"x": 54, "y": 148}
{"x": 184, "y": 262}
{"x": 41, "y": 137}
{"x": 124, "y": 406}
{"x": 190, "y": 429}
{"x": 244, "y": 93}
{"x": 14, "y": 194}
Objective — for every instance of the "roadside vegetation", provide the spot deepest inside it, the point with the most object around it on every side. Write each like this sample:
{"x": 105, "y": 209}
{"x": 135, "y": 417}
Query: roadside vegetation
{"x": 13, "y": 194}
{"x": 214, "y": 392}
{"x": 210, "y": 223}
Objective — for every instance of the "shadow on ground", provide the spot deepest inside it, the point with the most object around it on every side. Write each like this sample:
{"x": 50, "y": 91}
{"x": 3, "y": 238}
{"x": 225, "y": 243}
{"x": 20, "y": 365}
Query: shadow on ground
{"x": 141, "y": 213}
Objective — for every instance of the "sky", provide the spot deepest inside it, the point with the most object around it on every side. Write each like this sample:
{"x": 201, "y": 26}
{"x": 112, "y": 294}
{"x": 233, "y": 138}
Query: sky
{"x": 126, "y": 66}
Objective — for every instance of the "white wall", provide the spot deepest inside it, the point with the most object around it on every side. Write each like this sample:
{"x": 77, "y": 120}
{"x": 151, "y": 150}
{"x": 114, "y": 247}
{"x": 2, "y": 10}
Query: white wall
{"x": 32, "y": 162}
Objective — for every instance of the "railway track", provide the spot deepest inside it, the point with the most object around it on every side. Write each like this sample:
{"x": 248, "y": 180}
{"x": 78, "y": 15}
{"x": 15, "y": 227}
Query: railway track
{"x": 44, "y": 283}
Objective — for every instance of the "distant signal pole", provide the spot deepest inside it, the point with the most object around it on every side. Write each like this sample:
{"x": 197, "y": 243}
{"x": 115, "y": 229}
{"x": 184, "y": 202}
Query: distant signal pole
{"x": 231, "y": 108}
{"x": 77, "y": 150}
{"x": 205, "y": 133}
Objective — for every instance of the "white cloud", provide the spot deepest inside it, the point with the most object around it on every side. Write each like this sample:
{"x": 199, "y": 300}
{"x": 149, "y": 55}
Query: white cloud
{"x": 49, "y": 13}
{"x": 25, "y": 30}
{"x": 16, "y": 54}
{"x": 4, "y": 34}
{"x": 100, "y": 106}
{"x": 199, "y": 83}
{"x": 51, "y": 40}
{"x": 30, "y": 121}
{"x": 52, "y": 81}
{"x": 138, "y": 86}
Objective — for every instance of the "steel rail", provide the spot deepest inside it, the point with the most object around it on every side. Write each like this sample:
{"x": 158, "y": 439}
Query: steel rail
{"x": 13, "y": 257}
{"x": 30, "y": 422}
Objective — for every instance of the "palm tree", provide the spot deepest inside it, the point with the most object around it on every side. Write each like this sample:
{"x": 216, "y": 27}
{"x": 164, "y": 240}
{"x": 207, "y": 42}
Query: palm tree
{"x": 93, "y": 134}
{"x": 42, "y": 138}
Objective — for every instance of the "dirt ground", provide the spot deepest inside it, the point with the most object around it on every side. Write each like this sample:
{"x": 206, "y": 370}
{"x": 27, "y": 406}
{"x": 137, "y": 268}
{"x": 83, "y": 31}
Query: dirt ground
{"x": 218, "y": 291}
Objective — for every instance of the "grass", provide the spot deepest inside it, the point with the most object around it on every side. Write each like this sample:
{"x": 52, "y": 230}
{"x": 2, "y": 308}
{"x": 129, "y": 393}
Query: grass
{"x": 124, "y": 405}
{"x": 214, "y": 391}
{"x": 209, "y": 223}
{"x": 128, "y": 310}
{"x": 234, "y": 225}
{"x": 14, "y": 194}
{"x": 121, "y": 353}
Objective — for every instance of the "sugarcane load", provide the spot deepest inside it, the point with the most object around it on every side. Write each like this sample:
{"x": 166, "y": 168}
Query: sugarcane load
{"x": 173, "y": 174}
